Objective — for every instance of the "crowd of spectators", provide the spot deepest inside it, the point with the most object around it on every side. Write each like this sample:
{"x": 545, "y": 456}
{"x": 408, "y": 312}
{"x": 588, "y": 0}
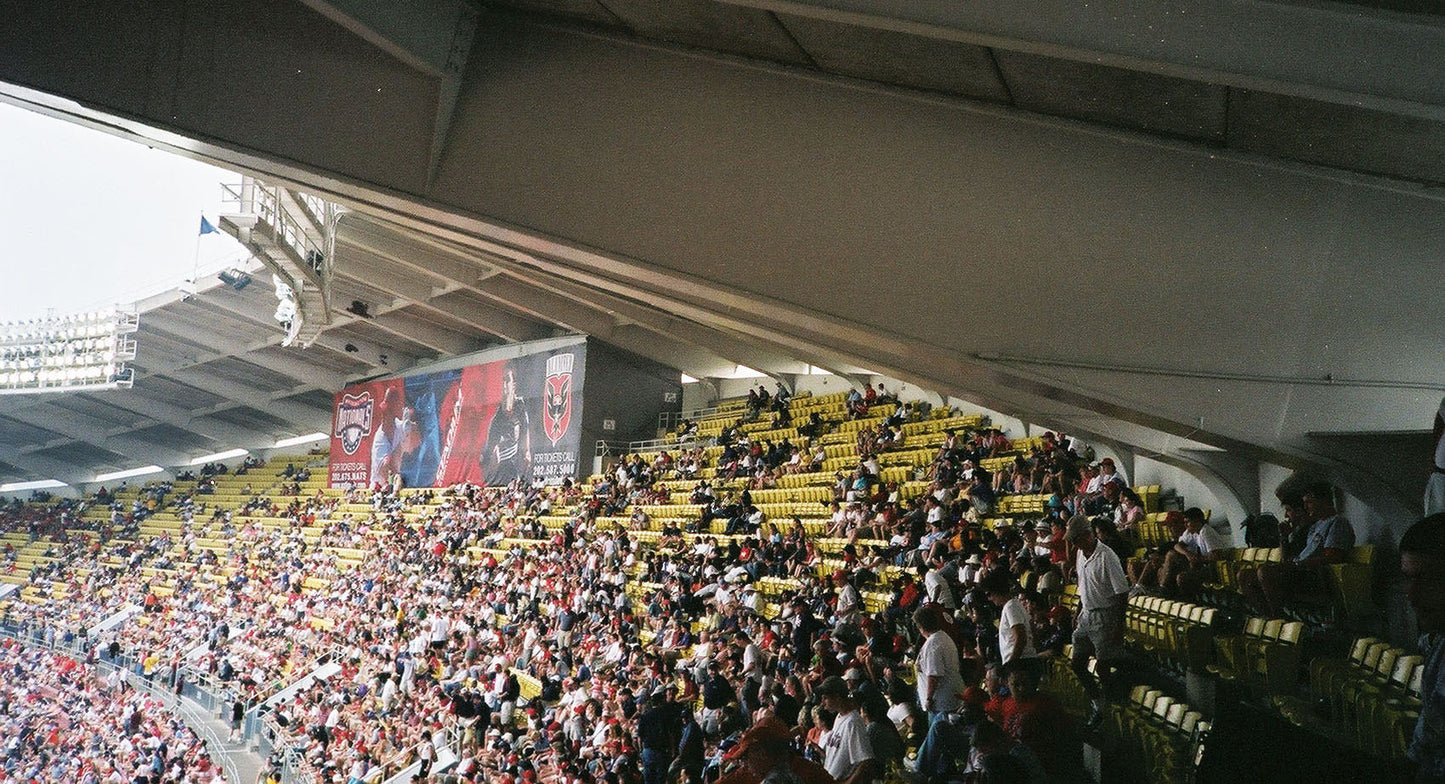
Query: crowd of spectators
{"x": 433, "y": 638}
{"x": 541, "y": 637}
{"x": 61, "y": 720}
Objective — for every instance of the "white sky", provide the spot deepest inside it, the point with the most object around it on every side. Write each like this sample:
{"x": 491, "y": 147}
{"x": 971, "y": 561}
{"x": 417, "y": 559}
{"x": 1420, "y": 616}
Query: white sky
{"x": 89, "y": 220}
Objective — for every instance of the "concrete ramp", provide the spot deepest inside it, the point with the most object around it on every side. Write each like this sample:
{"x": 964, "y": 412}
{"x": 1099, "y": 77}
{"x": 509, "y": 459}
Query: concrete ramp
{"x": 319, "y": 674}
{"x": 446, "y": 758}
{"x": 116, "y": 619}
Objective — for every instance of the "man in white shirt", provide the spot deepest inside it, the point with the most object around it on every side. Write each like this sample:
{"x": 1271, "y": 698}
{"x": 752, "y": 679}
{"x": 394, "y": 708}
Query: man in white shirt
{"x": 847, "y": 753}
{"x": 1192, "y": 559}
{"x": 934, "y": 508}
{"x": 971, "y": 570}
{"x": 1015, "y": 632}
{"x": 938, "y": 584}
{"x": 939, "y": 684}
{"x": 850, "y": 602}
{"x": 1103, "y": 598}
{"x": 441, "y": 627}
{"x": 1109, "y": 473}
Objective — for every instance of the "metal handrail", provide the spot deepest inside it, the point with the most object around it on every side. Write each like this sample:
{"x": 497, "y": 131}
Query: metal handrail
{"x": 607, "y": 448}
{"x": 671, "y": 419}
{"x": 651, "y": 444}
{"x": 264, "y": 202}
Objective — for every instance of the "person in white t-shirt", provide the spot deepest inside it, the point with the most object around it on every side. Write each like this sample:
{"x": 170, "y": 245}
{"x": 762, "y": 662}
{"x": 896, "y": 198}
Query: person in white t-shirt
{"x": 939, "y": 683}
{"x": 1192, "y": 560}
{"x": 850, "y": 602}
{"x": 1015, "y": 631}
{"x": 441, "y": 627}
{"x": 938, "y": 583}
{"x": 847, "y": 753}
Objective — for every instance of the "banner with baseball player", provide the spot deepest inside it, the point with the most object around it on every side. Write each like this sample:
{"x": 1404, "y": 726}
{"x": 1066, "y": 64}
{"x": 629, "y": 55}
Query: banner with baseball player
{"x": 491, "y": 424}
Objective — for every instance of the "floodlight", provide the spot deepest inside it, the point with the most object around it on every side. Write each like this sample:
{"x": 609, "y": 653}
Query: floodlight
{"x": 298, "y": 440}
{"x": 128, "y": 473}
{"x": 226, "y": 455}
{"x": 40, "y": 484}
{"x": 66, "y": 353}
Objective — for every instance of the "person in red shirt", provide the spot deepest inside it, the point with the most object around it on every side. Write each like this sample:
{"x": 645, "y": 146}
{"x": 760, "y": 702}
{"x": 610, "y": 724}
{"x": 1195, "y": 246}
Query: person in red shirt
{"x": 1039, "y": 721}
{"x": 996, "y": 696}
{"x": 1058, "y": 549}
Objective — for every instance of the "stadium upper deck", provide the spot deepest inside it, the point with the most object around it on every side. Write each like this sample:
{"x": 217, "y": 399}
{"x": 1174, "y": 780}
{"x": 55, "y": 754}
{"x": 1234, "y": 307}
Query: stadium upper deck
{"x": 1102, "y": 218}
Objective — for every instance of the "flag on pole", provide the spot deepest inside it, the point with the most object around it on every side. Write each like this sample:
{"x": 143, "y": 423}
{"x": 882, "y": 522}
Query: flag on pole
{"x": 206, "y": 227}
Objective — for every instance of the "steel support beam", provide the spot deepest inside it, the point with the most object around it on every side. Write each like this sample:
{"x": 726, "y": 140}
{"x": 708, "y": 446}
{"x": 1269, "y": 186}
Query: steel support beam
{"x": 361, "y": 232}
{"x": 1272, "y": 47}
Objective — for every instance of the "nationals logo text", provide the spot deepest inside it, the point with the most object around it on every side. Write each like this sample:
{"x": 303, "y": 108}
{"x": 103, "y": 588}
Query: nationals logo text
{"x": 353, "y": 421}
{"x": 557, "y": 397}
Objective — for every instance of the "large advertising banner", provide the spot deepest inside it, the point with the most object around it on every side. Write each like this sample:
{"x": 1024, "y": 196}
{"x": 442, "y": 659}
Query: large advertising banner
{"x": 487, "y": 424}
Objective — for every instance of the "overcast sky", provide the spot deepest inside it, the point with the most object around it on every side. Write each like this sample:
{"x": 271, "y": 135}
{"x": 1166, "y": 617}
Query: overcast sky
{"x": 89, "y": 220}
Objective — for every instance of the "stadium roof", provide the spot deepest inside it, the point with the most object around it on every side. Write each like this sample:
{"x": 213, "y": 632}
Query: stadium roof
{"x": 1212, "y": 222}
{"x": 212, "y": 375}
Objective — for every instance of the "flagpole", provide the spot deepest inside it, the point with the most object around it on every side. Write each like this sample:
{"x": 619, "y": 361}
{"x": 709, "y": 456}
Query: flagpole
{"x": 196, "y": 259}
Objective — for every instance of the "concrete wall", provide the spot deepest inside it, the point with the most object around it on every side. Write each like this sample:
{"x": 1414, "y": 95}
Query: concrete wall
{"x": 1191, "y": 491}
{"x": 629, "y": 390}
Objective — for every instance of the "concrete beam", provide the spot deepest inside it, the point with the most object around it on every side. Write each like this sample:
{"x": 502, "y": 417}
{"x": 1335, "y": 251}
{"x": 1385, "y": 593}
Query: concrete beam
{"x": 418, "y": 331}
{"x": 359, "y": 232}
{"x": 391, "y": 279}
{"x": 273, "y": 403}
{"x": 46, "y": 468}
{"x": 1272, "y": 47}
{"x": 296, "y": 368}
{"x": 74, "y": 427}
{"x": 490, "y": 319}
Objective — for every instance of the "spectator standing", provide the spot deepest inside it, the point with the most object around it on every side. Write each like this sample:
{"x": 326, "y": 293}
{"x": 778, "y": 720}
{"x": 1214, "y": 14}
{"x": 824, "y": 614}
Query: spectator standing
{"x": 655, "y": 738}
{"x": 1435, "y": 485}
{"x": 1099, "y": 630}
{"x": 939, "y": 684}
{"x": 1015, "y": 632}
{"x": 847, "y": 754}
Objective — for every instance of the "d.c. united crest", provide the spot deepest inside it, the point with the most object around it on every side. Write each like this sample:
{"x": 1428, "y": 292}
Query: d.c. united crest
{"x": 557, "y": 397}
{"x": 353, "y": 421}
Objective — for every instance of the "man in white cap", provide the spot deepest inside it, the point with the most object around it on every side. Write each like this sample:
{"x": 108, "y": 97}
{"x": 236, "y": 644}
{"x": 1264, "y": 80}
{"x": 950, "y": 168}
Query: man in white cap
{"x": 1103, "y": 598}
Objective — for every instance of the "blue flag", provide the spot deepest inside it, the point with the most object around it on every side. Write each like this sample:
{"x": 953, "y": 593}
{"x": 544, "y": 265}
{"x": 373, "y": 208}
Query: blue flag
{"x": 206, "y": 227}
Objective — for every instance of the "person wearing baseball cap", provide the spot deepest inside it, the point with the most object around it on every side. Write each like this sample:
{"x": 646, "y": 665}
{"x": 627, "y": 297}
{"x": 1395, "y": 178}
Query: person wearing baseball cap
{"x": 1103, "y": 598}
{"x": 848, "y": 756}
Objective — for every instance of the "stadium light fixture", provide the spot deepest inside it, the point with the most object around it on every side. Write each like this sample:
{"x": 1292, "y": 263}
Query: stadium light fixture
{"x": 298, "y": 440}
{"x": 67, "y": 353}
{"x": 226, "y": 455}
{"x": 128, "y": 473}
{"x": 39, "y": 484}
